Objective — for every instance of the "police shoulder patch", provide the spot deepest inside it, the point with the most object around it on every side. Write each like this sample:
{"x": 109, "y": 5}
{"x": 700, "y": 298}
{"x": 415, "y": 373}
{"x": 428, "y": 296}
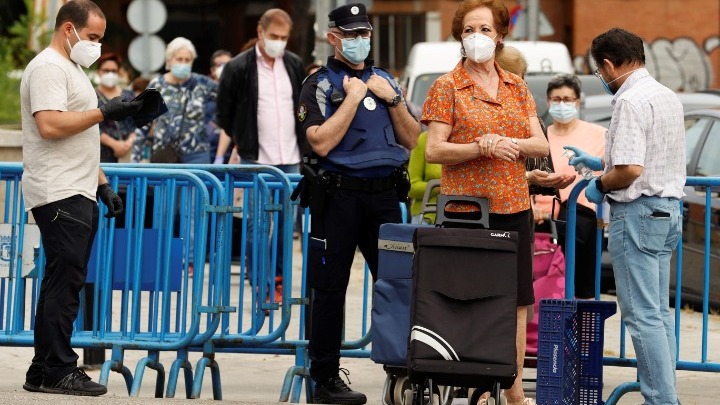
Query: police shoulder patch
{"x": 301, "y": 112}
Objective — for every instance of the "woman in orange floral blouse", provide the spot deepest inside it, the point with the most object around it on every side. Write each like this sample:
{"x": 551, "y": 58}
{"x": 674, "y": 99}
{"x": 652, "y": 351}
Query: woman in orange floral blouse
{"x": 482, "y": 125}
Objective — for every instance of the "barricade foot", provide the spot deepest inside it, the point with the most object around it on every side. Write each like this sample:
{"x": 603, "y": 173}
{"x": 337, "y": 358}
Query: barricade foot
{"x": 180, "y": 362}
{"x": 621, "y": 390}
{"x": 153, "y": 362}
{"x": 116, "y": 364}
{"x": 214, "y": 374}
{"x": 293, "y": 383}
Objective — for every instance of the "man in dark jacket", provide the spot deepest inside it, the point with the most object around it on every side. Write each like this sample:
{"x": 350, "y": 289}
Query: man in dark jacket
{"x": 257, "y": 98}
{"x": 244, "y": 111}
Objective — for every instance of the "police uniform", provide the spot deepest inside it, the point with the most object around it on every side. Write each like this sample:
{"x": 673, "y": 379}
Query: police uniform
{"x": 360, "y": 184}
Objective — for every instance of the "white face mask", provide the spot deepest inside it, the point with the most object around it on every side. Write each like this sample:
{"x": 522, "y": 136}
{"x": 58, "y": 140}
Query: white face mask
{"x": 85, "y": 52}
{"x": 218, "y": 71}
{"x": 110, "y": 79}
{"x": 479, "y": 47}
{"x": 274, "y": 48}
{"x": 563, "y": 113}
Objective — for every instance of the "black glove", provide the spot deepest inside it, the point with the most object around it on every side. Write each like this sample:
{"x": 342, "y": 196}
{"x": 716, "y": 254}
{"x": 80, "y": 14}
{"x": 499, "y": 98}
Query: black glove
{"x": 111, "y": 200}
{"x": 117, "y": 109}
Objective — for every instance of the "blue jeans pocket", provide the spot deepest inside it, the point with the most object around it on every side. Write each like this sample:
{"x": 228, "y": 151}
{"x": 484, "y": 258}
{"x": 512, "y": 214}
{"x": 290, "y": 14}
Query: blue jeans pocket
{"x": 653, "y": 233}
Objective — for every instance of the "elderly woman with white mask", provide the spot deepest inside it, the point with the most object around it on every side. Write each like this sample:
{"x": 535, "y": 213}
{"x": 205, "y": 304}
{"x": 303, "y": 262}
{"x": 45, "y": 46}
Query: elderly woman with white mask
{"x": 187, "y": 96}
{"x": 116, "y": 137}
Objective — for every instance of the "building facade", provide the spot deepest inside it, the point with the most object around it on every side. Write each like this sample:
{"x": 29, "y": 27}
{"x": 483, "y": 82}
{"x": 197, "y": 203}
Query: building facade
{"x": 682, "y": 37}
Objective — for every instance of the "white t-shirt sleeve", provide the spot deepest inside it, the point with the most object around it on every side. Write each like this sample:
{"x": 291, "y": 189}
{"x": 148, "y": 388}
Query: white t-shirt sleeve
{"x": 48, "y": 86}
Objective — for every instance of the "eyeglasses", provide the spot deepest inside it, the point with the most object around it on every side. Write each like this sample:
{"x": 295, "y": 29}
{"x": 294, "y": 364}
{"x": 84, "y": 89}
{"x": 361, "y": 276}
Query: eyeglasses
{"x": 597, "y": 73}
{"x": 354, "y": 34}
{"x": 564, "y": 100}
{"x": 108, "y": 70}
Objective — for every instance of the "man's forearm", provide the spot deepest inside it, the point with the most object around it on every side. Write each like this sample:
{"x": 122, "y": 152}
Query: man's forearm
{"x": 62, "y": 124}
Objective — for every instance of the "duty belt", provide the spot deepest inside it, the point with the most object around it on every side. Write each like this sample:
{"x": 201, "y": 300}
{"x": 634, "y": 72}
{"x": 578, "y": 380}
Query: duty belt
{"x": 375, "y": 185}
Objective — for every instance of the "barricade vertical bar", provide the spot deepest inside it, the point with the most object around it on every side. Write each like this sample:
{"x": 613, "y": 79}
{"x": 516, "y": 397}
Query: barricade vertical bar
{"x": 706, "y": 273}
{"x": 678, "y": 287}
{"x": 599, "y": 235}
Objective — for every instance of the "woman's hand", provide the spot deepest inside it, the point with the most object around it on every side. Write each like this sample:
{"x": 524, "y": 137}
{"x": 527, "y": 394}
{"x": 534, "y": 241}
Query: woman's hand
{"x": 554, "y": 180}
{"x": 498, "y": 147}
{"x": 506, "y": 150}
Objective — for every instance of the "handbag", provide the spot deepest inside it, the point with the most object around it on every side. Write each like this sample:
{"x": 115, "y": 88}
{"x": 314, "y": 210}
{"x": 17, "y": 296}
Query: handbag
{"x": 541, "y": 163}
{"x": 165, "y": 154}
{"x": 169, "y": 152}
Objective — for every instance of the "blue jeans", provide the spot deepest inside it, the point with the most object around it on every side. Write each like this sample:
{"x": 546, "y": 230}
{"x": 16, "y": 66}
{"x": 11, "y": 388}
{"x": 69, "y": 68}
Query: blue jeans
{"x": 642, "y": 239}
{"x": 288, "y": 169}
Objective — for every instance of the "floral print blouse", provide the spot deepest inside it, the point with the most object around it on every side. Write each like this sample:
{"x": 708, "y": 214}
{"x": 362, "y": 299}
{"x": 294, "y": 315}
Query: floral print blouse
{"x": 456, "y": 100}
{"x": 189, "y": 111}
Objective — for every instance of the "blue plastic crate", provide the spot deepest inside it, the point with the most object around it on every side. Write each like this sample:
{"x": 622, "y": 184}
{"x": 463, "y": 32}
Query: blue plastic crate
{"x": 591, "y": 319}
{"x": 570, "y": 351}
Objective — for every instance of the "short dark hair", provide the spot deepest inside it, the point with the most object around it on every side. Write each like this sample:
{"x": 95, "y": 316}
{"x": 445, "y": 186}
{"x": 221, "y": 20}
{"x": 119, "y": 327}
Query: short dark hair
{"x": 109, "y": 56}
{"x": 219, "y": 52}
{"x": 619, "y": 47}
{"x": 77, "y": 12}
{"x": 564, "y": 80}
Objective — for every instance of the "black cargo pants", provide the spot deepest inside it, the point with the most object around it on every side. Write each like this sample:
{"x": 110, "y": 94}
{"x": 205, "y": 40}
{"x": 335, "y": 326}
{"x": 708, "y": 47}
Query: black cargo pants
{"x": 67, "y": 228}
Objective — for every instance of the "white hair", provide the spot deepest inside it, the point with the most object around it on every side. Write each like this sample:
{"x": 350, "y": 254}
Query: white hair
{"x": 176, "y": 45}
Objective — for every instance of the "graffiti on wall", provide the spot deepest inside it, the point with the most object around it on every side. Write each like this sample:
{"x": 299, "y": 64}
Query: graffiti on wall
{"x": 680, "y": 64}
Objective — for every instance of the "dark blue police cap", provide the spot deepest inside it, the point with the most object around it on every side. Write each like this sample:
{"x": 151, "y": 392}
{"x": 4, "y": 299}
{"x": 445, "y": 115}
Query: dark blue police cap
{"x": 350, "y": 17}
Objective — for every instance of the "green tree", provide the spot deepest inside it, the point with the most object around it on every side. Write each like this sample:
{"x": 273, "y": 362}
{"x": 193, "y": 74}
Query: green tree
{"x": 15, "y": 53}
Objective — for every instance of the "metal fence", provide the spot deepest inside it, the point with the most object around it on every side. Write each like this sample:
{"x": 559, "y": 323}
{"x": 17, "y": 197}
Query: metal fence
{"x": 163, "y": 275}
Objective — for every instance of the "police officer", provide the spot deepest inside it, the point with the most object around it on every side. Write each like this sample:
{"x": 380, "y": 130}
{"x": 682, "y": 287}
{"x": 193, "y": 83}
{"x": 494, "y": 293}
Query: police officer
{"x": 360, "y": 131}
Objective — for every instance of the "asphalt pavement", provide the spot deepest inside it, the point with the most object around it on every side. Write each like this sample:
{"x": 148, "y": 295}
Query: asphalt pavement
{"x": 258, "y": 378}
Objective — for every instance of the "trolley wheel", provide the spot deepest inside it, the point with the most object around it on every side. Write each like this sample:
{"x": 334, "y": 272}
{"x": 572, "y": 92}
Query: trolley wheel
{"x": 388, "y": 388}
{"x": 402, "y": 384}
{"x": 408, "y": 397}
{"x": 496, "y": 397}
{"x": 474, "y": 396}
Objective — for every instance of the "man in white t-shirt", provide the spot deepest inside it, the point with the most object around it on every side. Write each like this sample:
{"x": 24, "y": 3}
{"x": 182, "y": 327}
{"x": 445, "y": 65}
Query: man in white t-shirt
{"x": 61, "y": 179}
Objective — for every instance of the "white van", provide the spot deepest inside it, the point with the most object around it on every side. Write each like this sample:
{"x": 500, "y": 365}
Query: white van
{"x": 429, "y": 60}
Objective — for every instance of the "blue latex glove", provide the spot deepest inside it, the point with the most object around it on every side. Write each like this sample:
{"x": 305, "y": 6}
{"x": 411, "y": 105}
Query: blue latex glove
{"x": 593, "y": 194}
{"x": 592, "y": 162}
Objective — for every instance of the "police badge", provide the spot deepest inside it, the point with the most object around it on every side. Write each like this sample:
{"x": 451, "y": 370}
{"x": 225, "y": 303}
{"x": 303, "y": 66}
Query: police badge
{"x": 301, "y": 112}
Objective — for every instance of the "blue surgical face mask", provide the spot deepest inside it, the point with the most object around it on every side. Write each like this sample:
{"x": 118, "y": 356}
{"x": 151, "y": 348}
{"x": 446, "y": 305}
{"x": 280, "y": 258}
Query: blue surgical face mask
{"x": 563, "y": 113}
{"x": 355, "y": 50}
{"x": 181, "y": 70}
{"x": 606, "y": 85}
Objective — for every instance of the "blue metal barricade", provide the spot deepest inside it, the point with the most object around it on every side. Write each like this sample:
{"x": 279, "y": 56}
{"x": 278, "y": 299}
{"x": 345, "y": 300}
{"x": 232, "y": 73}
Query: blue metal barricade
{"x": 708, "y": 221}
{"x": 257, "y": 202}
{"x": 156, "y": 293}
{"x": 160, "y": 306}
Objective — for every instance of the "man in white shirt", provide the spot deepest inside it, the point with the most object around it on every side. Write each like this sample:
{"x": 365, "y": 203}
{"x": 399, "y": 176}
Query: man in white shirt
{"x": 61, "y": 182}
{"x": 643, "y": 181}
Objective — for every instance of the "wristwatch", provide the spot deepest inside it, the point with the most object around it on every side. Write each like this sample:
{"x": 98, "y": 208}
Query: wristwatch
{"x": 395, "y": 101}
{"x": 600, "y": 186}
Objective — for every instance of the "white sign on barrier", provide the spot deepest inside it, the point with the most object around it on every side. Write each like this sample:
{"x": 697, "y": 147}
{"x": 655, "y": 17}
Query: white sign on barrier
{"x": 29, "y": 253}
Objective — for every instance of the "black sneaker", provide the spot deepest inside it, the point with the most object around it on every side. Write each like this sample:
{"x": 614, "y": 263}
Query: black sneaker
{"x": 29, "y": 386}
{"x": 335, "y": 391}
{"x": 75, "y": 383}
